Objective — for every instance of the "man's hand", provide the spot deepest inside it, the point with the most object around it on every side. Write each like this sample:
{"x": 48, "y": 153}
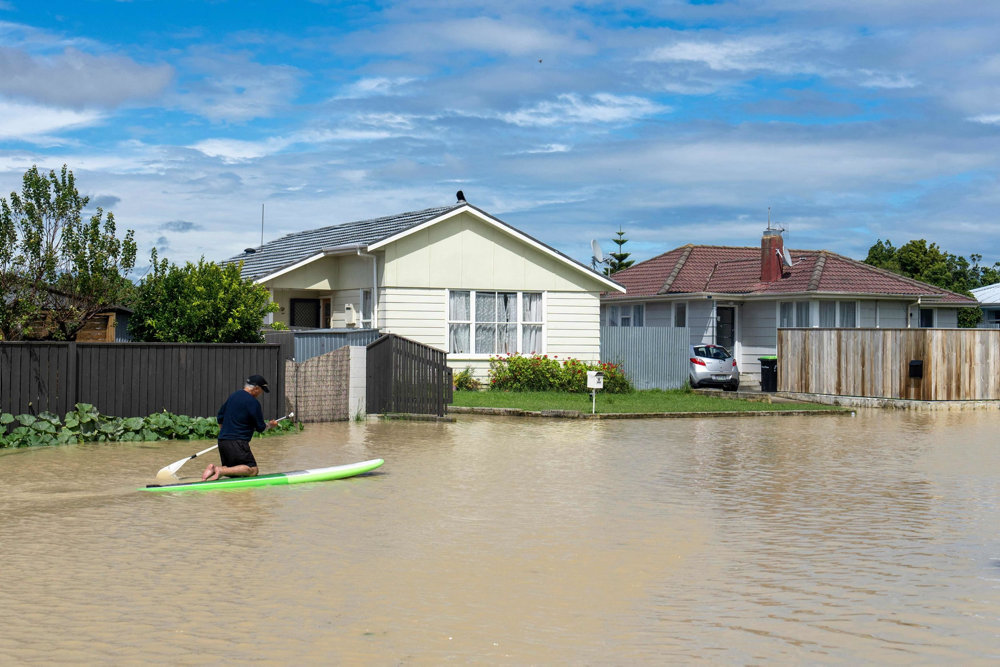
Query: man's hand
{"x": 272, "y": 423}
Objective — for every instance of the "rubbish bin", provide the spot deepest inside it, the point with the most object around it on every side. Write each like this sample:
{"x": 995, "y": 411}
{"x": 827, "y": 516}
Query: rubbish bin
{"x": 768, "y": 373}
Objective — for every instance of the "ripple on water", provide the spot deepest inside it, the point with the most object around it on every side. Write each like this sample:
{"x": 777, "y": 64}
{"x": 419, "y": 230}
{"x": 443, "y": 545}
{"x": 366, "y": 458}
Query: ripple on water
{"x": 832, "y": 539}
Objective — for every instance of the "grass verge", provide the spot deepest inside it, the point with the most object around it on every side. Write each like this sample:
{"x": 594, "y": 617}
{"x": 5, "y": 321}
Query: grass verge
{"x": 647, "y": 401}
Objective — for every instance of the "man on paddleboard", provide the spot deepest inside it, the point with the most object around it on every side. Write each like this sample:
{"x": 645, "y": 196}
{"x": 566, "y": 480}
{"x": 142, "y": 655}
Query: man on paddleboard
{"x": 238, "y": 418}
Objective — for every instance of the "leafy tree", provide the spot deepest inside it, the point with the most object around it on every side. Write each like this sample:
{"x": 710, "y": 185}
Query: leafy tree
{"x": 58, "y": 270}
{"x": 619, "y": 260}
{"x": 928, "y": 263}
{"x": 198, "y": 303}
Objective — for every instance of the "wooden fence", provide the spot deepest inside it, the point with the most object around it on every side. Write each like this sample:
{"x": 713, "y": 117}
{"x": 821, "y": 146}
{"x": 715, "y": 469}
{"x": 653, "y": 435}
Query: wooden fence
{"x": 135, "y": 379}
{"x": 406, "y": 377}
{"x": 954, "y": 364}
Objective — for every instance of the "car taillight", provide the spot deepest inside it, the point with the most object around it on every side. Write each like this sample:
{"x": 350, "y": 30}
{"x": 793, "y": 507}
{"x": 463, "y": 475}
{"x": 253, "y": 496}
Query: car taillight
{"x": 734, "y": 363}
{"x": 696, "y": 360}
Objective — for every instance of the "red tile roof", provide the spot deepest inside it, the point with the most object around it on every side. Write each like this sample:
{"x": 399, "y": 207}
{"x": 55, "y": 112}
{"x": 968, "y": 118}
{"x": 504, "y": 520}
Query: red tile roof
{"x": 730, "y": 270}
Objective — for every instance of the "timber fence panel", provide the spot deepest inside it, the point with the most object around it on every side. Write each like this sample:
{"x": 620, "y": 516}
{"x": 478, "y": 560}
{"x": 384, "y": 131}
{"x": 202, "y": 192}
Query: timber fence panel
{"x": 651, "y": 357}
{"x": 956, "y": 364}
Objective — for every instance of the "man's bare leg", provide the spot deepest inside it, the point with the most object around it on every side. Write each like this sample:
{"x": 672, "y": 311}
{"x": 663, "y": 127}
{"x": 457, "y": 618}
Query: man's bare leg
{"x": 241, "y": 470}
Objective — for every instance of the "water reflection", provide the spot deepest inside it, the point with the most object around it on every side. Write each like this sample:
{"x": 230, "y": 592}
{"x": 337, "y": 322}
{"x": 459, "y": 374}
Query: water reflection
{"x": 806, "y": 539}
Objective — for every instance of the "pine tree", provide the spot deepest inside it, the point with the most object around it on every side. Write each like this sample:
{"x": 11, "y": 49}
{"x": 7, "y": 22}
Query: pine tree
{"x": 619, "y": 260}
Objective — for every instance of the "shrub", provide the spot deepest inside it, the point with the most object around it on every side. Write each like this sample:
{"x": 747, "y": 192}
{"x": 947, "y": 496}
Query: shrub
{"x": 514, "y": 372}
{"x": 85, "y": 424}
{"x": 465, "y": 381}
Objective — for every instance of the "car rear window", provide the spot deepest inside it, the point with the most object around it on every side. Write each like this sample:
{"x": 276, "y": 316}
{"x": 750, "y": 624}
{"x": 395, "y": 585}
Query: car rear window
{"x": 711, "y": 351}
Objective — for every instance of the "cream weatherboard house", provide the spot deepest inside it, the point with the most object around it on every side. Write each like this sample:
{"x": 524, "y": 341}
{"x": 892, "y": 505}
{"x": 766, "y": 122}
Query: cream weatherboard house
{"x": 454, "y": 277}
{"x": 738, "y": 297}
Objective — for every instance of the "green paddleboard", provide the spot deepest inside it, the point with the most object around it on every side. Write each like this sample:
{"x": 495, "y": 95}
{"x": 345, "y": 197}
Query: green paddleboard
{"x": 278, "y": 478}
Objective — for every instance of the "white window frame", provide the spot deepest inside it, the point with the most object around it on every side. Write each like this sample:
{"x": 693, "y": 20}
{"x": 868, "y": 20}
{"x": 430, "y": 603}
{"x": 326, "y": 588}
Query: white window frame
{"x": 471, "y": 322}
{"x": 679, "y": 305}
{"x": 625, "y": 315}
{"x": 838, "y": 319}
{"x": 366, "y": 321}
{"x": 792, "y": 316}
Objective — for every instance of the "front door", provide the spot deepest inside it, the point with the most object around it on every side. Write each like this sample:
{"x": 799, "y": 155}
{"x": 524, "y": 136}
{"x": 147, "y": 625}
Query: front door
{"x": 725, "y": 327}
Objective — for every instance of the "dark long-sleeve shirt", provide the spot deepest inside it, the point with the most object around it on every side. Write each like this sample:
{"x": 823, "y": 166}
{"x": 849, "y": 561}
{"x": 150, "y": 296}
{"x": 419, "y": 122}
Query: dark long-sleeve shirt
{"x": 240, "y": 416}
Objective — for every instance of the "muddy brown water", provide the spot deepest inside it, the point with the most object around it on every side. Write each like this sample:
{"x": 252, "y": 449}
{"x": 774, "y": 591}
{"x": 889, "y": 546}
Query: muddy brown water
{"x": 871, "y": 538}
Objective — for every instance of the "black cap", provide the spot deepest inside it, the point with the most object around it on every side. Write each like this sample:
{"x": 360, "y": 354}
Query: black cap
{"x": 258, "y": 381}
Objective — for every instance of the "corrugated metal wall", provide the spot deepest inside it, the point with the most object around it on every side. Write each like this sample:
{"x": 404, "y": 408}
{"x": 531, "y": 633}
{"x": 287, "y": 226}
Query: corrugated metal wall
{"x": 652, "y": 357}
{"x": 309, "y": 344}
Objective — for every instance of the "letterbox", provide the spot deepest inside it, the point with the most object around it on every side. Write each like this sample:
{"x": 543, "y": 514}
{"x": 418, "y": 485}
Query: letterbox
{"x": 595, "y": 380}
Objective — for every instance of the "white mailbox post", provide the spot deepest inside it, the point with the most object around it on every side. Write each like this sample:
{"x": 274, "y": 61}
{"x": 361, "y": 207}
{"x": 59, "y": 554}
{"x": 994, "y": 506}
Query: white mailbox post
{"x": 595, "y": 381}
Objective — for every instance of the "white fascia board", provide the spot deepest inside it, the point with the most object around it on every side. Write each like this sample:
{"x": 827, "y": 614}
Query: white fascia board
{"x": 507, "y": 229}
{"x": 325, "y": 252}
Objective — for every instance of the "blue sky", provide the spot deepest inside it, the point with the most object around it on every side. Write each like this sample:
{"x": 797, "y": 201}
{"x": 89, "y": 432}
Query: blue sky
{"x": 680, "y": 122}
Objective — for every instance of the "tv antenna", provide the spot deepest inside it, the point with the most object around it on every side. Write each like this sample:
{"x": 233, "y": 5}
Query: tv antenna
{"x": 597, "y": 257}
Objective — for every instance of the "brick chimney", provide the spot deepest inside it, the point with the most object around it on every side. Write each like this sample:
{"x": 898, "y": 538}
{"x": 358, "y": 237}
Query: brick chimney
{"x": 771, "y": 246}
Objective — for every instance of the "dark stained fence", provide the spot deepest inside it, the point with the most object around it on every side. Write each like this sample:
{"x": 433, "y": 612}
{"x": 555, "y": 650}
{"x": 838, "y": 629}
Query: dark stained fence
{"x": 135, "y": 379}
{"x": 407, "y": 377}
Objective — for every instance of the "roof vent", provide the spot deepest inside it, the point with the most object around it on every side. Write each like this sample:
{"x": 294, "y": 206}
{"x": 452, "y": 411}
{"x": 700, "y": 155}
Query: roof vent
{"x": 249, "y": 251}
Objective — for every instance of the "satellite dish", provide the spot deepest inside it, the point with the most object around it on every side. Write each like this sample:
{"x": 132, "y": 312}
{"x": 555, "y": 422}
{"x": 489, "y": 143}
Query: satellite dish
{"x": 785, "y": 257}
{"x": 598, "y": 255}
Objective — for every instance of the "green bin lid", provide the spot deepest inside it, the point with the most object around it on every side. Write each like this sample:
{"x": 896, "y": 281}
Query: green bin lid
{"x": 768, "y": 356}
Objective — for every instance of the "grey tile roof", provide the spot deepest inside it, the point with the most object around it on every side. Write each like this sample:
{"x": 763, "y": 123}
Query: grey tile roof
{"x": 292, "y": 248}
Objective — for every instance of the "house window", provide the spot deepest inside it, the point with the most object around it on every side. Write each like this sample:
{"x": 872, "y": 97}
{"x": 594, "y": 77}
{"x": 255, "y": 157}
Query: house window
{"x": 486, "y": 322}
{"x": 366, "y": 308}
{"x": 848, "y": 311}
{"x": 325, "y": 308}
{"x": 802, "y": 314}
{"x": 680, "y": 314}
{"x": 828, "y": 314}
{"x": 304, "y": 313}
{"x": 841, "y": 314}
{"x": 786, "y": 316}
{"x": 796, "y": 314}
{"x": 531, "y": 322}
{"x": 926, "y": 318}
{"x": 626, "y": 316}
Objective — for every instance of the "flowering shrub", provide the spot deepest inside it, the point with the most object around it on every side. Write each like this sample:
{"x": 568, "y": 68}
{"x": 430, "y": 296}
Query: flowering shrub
{"x": 514, "y": 372}
{"x": 465, "y": 381}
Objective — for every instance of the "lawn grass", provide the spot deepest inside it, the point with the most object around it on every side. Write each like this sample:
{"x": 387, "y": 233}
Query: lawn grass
{"x": 653, "y": 400}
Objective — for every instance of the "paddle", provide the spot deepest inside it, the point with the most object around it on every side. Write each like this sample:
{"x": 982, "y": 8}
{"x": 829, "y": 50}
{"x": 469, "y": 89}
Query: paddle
{"x": 168, "y": 472}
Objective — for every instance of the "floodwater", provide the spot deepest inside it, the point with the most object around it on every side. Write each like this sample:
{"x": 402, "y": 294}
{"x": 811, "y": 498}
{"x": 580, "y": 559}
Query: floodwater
{"x": 869, "y": 538}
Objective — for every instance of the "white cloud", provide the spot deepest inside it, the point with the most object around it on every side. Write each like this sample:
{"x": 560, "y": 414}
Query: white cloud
{"x": 231, "y": 87}
{"x": 77, "y": 79}
{"x": 573, "y": 108}
{"x": 872, "y": 79}
{"x": 987, "y": 119}
{"x": 376, "y": 86}
{"x": 39, "y": 124}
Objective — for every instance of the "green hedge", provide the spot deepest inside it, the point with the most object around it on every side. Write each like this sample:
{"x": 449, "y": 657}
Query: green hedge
{"x": 514, "y": 372}
{"x": 86, "y": 424}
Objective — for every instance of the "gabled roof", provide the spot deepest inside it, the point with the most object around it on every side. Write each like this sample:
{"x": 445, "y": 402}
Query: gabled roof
{"x": 736, "y": 271}
{"x": 988, "y": 294}
{"x": 291, "y": 249}
{"x": 300, "y": 248}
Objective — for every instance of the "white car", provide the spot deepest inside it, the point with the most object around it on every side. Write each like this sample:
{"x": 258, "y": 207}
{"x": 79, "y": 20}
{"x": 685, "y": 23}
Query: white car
{"x": 712, "y": 365}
